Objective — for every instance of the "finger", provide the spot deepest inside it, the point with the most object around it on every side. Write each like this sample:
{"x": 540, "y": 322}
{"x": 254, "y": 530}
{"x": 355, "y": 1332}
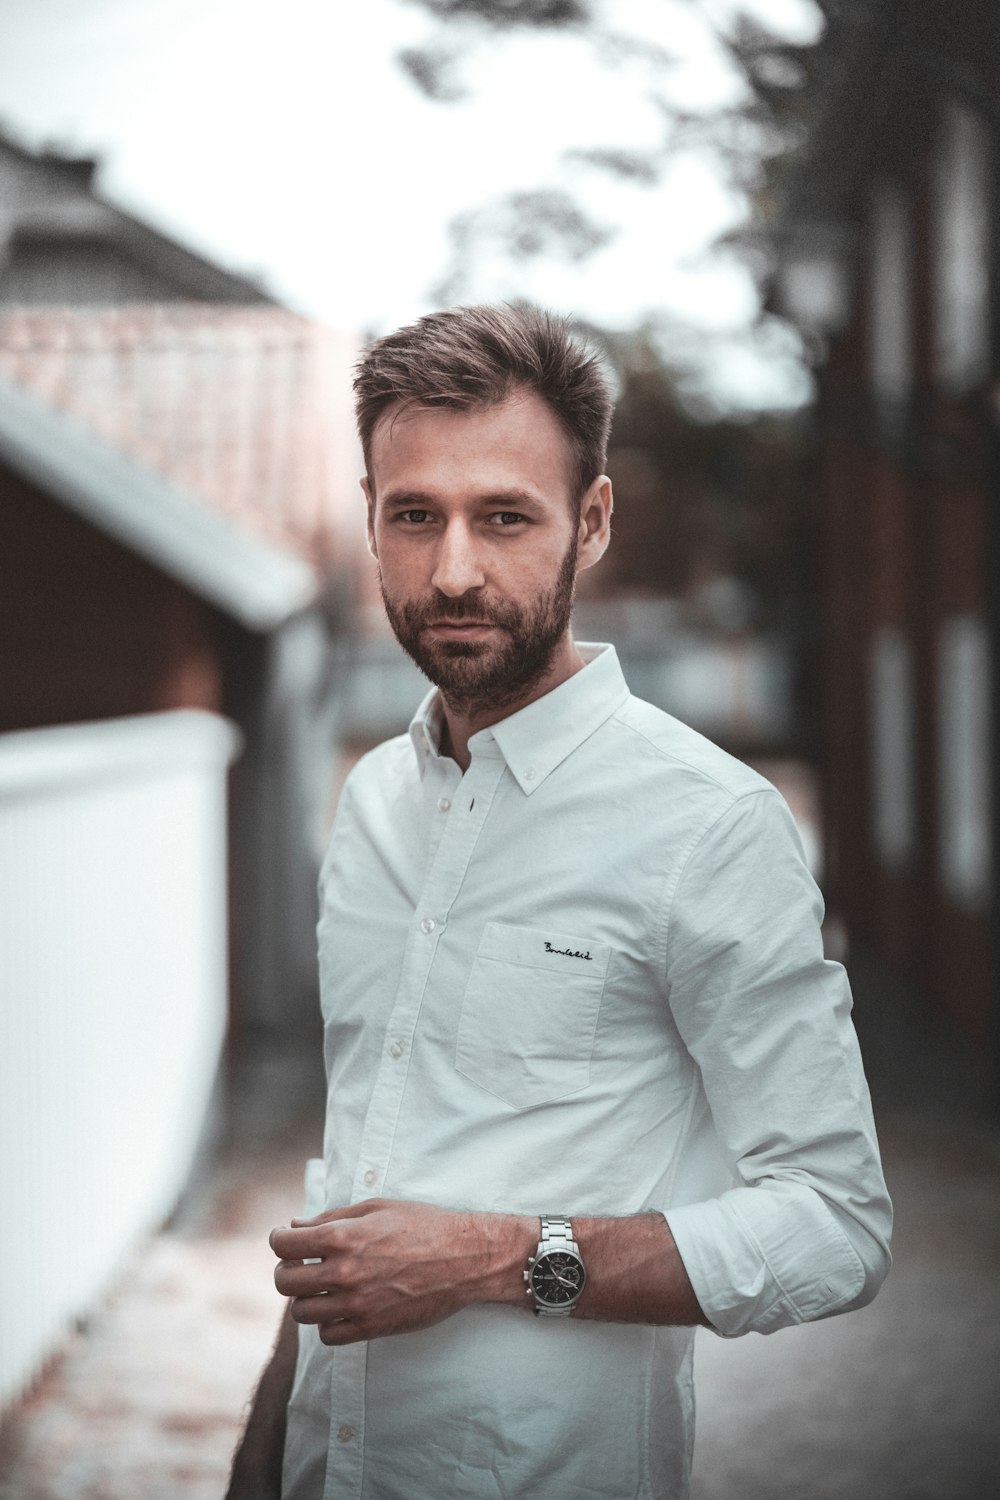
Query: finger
{"x": 278, "y": 1234}
{"x": 346, "y": 1211}
{"x": 341, "y": 1331}
{"x": 297, "y": 1244}
{"x": 293, "y": 1279}
{"x": 320, "y": 1309}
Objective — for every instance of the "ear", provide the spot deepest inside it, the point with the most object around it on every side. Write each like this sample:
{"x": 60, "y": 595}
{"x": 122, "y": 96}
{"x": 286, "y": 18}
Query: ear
{"x": 595, "y": 523}
{"x": 370, "y": 504}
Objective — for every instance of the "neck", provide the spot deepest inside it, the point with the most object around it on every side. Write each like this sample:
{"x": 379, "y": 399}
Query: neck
{"x": 464, "y": 719}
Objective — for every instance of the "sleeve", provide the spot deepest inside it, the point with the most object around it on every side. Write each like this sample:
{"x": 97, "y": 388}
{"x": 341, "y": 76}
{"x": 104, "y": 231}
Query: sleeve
{"x": 804, "y": 1232}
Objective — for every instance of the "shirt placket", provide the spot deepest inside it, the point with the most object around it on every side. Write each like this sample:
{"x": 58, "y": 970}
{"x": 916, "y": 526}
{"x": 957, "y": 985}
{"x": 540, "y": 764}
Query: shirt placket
{"x": 464, "y": 809}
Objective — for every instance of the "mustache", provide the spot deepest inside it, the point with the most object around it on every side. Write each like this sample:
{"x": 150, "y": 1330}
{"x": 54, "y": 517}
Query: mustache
{"x": 442, "y": 607}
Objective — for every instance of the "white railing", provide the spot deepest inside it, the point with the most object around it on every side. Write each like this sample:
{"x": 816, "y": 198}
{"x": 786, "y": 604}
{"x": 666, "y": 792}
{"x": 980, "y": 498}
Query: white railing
{"x": 113, "y": 935}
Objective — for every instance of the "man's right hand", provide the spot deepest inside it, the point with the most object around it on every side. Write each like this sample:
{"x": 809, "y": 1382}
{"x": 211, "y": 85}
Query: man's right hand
{"x": 381, "y": 1267}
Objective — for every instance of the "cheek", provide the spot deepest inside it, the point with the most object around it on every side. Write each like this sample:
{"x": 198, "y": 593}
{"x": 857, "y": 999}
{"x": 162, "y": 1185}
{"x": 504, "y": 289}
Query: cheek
{"x": 403, "y": 569}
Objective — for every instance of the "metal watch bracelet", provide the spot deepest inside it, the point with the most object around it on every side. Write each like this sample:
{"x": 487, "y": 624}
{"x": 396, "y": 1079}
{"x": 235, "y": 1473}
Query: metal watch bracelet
{"x": 556, "y": 1235}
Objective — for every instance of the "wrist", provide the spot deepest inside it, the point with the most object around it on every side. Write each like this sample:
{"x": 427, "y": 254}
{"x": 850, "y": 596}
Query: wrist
{"x": 508, "y": 1241}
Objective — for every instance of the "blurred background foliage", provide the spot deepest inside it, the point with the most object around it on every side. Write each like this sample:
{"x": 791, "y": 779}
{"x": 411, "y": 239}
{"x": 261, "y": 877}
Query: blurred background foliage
{"x": 709, "y": 506}
{"x": 749, "y": 139}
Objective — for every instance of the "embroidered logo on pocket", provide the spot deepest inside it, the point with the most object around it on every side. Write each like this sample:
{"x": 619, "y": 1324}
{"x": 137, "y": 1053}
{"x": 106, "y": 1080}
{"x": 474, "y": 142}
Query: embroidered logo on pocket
{"x": 569, "y": 952}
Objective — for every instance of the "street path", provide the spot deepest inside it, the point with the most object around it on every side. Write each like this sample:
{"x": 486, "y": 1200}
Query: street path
{"x": 897, "y": 1402}
{"x": 147, "y": 1400}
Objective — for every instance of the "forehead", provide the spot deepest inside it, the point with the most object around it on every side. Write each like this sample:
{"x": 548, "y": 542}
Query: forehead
{"x": 515, "y": 444}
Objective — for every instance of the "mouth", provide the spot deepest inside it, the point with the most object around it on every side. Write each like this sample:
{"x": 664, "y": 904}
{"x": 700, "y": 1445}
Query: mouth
{"x": 461, "y": 629}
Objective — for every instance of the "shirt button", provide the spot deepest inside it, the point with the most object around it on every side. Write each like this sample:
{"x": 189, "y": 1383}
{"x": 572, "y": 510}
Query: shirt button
{"x": 443, "y": 804}
{"x": 529, "y": 774}
{"x": 369, "y": 1177}
{"x": 344, "y": 1433}
{"x": 428, "y": 924}
{"x": 396, "y": 1049}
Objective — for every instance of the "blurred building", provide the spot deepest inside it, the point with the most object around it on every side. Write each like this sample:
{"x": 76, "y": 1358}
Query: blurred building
{"x": 178, "y": 537}
{"x": 889, "y": 263}
{"x": 62, "y": 243}
{"x": 169, "y": 540}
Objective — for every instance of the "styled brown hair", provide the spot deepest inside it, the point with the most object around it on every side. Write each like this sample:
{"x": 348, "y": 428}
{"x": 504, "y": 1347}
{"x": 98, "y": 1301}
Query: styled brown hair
{"x": 480, "y": 356}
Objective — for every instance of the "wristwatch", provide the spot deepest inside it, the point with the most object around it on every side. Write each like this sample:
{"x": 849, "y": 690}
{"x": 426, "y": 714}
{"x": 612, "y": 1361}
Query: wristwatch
{"x": 556, "y": 1274}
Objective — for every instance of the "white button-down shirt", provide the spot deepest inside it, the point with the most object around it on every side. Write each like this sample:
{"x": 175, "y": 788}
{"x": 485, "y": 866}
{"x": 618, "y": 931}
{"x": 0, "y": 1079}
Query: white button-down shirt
{"x": 585, "y": 977}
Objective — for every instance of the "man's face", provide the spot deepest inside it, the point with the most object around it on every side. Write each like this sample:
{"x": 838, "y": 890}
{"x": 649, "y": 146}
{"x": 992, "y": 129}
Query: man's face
{"x": 471, "y": 519}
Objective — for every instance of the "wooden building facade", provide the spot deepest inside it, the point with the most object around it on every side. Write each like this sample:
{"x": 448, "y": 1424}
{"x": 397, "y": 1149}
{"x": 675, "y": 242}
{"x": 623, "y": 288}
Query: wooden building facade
{"x": 890, "y": 263}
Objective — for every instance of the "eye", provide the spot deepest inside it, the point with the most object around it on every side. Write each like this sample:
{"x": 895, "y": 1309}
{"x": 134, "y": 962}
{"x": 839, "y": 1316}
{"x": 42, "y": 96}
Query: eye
{"x": 413, "y": 517}
{"x": 506, "y": 518}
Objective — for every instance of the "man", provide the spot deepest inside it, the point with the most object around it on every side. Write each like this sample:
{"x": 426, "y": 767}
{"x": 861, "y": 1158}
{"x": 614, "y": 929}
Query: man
{"x": 585, "y": 1058}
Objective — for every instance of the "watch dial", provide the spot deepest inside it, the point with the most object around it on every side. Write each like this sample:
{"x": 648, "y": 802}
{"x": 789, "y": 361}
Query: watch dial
{"x": 557, "y": 1277}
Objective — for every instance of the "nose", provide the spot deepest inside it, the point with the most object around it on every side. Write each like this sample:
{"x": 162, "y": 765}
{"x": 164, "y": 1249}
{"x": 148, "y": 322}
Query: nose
{"x": 457, "y": 567}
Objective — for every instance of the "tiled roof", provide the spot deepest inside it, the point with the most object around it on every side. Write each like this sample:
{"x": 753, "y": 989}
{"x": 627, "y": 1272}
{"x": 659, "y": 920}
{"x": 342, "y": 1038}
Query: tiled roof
{"x": 247, "y": 409}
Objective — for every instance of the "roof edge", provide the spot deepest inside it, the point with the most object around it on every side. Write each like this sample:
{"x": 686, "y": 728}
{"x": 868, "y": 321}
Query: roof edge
{"x": 257, "y": 584}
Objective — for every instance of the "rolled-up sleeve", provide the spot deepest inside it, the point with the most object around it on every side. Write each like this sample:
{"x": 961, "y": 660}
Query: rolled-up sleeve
{"x": 804, "y": 1231}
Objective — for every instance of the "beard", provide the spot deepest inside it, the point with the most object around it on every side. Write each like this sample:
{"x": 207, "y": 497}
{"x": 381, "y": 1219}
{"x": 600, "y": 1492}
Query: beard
{"x": 486, "y": 675}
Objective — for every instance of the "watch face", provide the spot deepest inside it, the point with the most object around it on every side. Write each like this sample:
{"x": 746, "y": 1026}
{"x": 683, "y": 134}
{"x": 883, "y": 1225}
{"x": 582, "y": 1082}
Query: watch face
{"x": 557, "y": 1277}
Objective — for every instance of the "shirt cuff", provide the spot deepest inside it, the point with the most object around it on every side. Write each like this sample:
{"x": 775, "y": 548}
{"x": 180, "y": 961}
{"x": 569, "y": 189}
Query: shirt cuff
{"x": 764, "y": 1257}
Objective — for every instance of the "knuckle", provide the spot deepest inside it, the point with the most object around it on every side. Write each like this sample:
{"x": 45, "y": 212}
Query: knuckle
{"x": 350, "y": 1272}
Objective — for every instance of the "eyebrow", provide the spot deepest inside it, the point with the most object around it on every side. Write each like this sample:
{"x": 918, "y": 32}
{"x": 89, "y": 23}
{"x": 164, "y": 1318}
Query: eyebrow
{"x": 507, "y": 499}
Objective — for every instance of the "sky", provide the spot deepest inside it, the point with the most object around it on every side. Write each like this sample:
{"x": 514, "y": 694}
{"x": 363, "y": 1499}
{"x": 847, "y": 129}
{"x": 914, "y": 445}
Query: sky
{"x": 283, "y": 138}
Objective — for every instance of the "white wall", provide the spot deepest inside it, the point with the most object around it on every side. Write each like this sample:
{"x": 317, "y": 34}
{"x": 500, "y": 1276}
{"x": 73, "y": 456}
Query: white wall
{"x": 113, "y": 937}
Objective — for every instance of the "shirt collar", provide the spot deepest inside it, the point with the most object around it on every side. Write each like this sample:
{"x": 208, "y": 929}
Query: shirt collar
{"x": 538, "y": 738}
{"x": 425, "y": 729}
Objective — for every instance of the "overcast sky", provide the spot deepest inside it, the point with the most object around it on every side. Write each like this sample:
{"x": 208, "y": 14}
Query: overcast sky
{"x": 282, "y": 137}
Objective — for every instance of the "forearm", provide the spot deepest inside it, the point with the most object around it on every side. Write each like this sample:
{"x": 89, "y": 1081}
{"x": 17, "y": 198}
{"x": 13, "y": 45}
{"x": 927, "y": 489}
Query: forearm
{"x": 385, "y": 1267}
{"x": 634, "y": 1271}
{"x": 256, "y": 1473}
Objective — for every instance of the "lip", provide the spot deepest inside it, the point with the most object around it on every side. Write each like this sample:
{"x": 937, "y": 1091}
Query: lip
{"x": 461, "y": 629}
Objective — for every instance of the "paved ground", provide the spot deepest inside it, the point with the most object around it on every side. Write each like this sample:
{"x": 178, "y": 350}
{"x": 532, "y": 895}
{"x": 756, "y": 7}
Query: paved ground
{"x": 898, "y": 1402}
{"x": 146, "y": 1401}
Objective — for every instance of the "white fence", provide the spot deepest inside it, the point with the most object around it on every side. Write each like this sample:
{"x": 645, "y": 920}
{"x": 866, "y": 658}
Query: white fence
{"x": 113, "y": 936}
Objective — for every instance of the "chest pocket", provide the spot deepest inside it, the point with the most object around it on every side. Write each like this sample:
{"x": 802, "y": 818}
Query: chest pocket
{"x": 529, "y": 1016}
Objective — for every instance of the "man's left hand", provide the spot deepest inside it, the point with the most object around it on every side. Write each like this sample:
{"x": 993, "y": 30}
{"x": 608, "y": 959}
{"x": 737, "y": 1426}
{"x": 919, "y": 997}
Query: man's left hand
{"x": 384, "y": 1267}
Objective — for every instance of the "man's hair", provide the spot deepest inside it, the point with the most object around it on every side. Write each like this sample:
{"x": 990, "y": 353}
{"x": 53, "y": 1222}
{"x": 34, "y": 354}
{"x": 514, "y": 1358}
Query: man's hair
{"x": 471, "y": 357}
